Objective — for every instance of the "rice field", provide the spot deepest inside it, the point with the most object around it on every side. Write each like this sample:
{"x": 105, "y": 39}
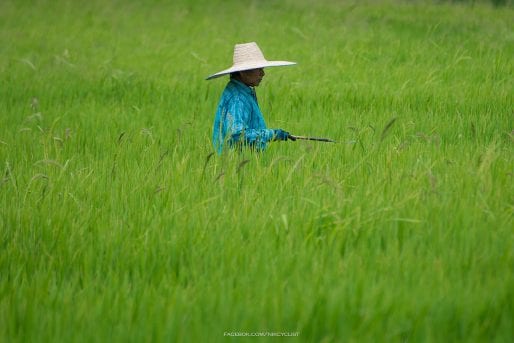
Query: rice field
{"x": 118, "y": 223}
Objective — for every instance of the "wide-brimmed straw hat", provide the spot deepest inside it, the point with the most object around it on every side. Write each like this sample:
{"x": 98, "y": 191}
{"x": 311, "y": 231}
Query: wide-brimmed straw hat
{"x": 248, "y": 56}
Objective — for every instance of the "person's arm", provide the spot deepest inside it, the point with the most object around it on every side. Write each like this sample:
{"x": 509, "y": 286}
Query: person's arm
{"x": 236, "y": 120}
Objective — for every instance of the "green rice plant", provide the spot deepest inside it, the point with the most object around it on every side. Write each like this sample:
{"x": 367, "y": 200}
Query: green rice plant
{"x": 119, "y": 222}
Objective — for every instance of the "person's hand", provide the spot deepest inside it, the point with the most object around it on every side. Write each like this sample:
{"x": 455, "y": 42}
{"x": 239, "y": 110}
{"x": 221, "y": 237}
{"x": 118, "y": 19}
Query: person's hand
{"x": 281, "y": 135}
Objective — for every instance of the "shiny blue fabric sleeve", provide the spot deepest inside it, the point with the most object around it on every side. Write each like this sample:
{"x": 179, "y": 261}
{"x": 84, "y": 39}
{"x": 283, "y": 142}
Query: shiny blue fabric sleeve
{"x": 238, "y": 115}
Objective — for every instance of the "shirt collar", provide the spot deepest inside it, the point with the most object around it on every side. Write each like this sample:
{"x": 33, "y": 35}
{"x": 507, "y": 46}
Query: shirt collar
{"x": 243, "y": 87}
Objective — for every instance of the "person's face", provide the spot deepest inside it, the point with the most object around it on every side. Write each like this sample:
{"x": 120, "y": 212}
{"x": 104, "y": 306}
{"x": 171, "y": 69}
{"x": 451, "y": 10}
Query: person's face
{"x": 252, "y": 77}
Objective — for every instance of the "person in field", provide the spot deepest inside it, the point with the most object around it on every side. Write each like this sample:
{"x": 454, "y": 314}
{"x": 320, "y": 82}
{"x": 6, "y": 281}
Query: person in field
{"x": 239, "y": 121}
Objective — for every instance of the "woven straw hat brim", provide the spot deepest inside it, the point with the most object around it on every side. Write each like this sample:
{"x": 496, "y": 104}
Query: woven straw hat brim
{"x": 249, "y": 66}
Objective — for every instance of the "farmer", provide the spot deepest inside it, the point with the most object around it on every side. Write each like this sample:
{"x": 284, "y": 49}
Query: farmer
{"x": 239, "y": 121}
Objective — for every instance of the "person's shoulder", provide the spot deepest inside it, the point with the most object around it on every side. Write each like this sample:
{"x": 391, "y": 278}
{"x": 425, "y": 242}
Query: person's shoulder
{"x": 233, "y": 87}
{"x": 234, "y": 93}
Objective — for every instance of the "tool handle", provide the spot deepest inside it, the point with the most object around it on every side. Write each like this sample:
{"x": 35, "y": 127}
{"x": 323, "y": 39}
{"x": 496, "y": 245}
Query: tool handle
{"x": 319, "y": 139}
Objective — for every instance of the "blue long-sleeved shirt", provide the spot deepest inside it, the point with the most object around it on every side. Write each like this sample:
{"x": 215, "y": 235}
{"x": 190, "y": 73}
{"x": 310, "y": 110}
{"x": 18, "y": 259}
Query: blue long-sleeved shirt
{"x": 239, "y": 119}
